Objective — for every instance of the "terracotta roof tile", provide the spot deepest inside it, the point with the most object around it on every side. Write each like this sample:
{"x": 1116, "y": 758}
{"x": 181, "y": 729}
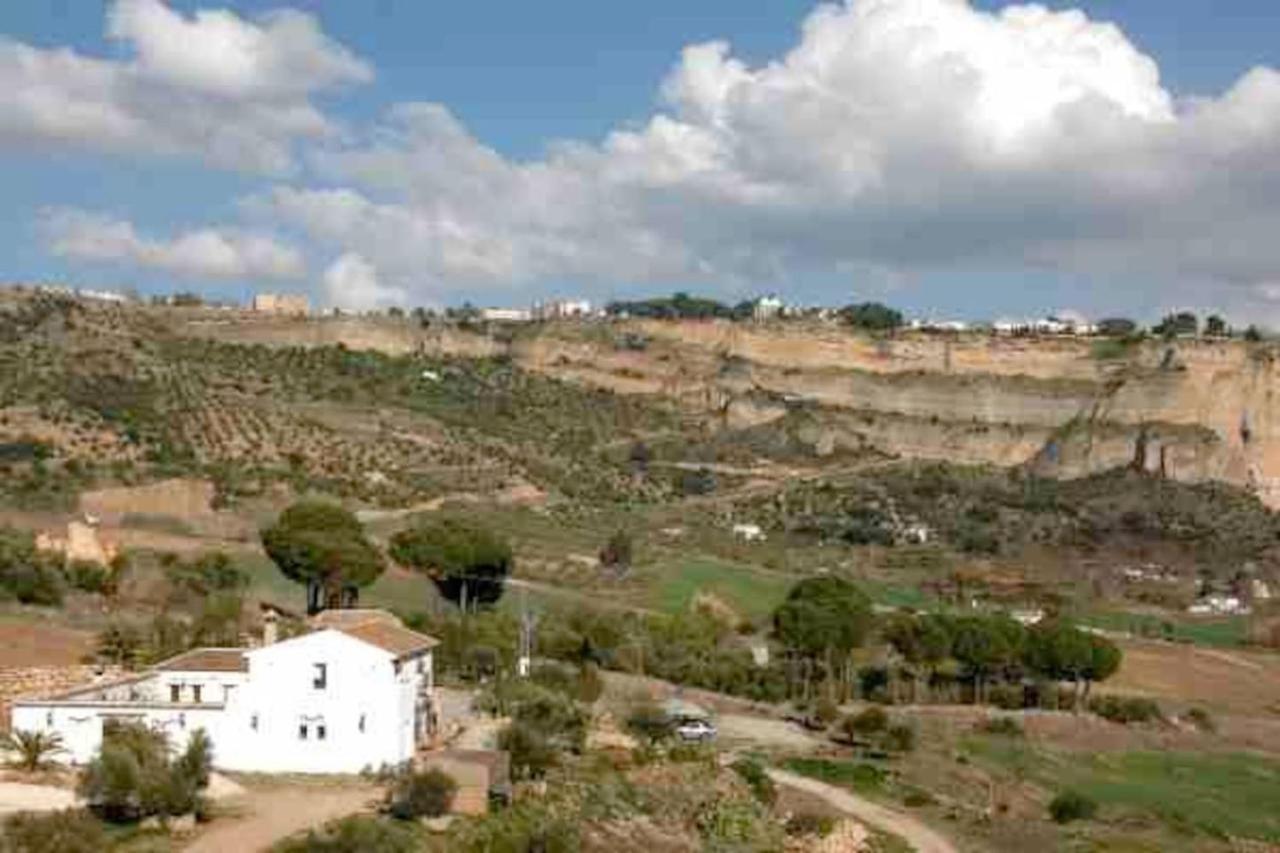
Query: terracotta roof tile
{"x": 398, "y": 640}
{"x": 206, "y": 660}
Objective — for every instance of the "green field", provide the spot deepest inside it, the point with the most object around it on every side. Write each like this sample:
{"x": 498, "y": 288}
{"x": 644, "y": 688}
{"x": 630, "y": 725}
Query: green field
{"x": 752, "y": 593}
{"x": 1219, "y": 795}
{"x": 854, "y": 775}
{"x": 1219, "y": 631}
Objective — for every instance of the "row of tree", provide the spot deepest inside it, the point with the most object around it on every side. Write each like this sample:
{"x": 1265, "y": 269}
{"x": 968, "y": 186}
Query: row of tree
{"x": 825, "y": 619}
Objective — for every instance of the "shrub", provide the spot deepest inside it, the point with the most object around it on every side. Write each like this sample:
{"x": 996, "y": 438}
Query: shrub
{"x": 33, "y": 749}
{"x": 757, "y": 778}
{"x": 1201, "y": 719}
{"x": 532, "y": 753}
{"x": 900, "y": 737}
{"x": 864, "y": 724}
{"x": 1126, "y": 709}
{"x": 650, "y": 723}
{"x": 810, "y": 825}
{"x": 88, "y": 577}
{"x": 1071, "y": 806}
{"x": 354, "y": 835}
{"x": 133, "y": 776}
{"x": 826, "y": 711}
{"x": 70, "y": 831}
{"x": 426, "y": 794}
{"x": 1002, "y": 726}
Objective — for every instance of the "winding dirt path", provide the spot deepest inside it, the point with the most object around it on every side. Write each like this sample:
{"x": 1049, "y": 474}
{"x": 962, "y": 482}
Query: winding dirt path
{"x": 920, "y": 837}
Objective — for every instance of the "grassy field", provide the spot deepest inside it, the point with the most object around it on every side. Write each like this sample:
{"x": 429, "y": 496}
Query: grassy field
{"x": 1232, "y": 795}
{"x": 1225, "y": 631}
{"x": 752, "y": 593}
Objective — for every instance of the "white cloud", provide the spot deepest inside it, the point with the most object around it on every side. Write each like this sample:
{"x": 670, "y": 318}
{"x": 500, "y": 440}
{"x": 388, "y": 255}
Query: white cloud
{"x": 233, "y": 92}
{"x": 899, "y": 135}
{"x": 206, "y": 253}
{"x": 351, "y": 283}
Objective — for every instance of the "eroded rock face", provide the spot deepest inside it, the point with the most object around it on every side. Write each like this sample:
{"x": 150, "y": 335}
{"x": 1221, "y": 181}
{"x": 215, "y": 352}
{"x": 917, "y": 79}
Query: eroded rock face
{"x": 1190, "y": 410}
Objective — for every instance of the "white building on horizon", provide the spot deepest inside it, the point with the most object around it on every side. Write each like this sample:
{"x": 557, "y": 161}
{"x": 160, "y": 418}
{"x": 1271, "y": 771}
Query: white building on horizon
{"x": 562, "y": 309}
{"x": 358, "y": 692}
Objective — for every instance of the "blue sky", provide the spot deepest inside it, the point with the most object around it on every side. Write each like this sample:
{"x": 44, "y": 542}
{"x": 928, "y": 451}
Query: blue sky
{"x": 521, "y": 78}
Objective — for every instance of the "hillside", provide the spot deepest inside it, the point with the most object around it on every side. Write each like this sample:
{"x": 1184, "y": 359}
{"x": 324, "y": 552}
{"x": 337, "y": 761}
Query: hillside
{"x": 1189, "y": 410}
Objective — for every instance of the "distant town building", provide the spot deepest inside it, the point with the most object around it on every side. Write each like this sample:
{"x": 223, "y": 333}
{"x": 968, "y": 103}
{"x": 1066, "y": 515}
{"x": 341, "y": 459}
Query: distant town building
{"x": 1219, "y": 605}
{"x": 562, "y": 309}
{"x": 282, "y": 303}
{"x": 506, "y": 315}
{"x": 767, "y": 307}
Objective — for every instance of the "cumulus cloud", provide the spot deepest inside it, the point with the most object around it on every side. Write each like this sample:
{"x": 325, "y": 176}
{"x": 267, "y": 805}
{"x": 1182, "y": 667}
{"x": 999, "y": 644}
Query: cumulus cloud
{"x": 351, "y": 283}
{"x": 233, "y": 92}
{"x": 896, "y": 135}
{"x": 206, "y": 253}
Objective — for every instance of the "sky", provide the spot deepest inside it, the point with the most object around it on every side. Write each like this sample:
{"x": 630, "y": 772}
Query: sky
{"x": 954, "y": 158}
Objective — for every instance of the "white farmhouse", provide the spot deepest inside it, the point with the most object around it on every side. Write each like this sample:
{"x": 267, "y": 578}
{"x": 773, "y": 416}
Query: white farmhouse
{"x": 357, "y": 692}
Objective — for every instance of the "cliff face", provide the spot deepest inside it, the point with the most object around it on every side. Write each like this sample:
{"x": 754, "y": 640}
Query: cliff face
{"x": 1194, "y": 410}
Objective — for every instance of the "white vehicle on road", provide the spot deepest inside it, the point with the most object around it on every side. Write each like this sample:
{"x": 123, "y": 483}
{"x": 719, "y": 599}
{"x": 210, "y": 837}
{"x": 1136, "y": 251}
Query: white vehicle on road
{"x": 695, "y": 731}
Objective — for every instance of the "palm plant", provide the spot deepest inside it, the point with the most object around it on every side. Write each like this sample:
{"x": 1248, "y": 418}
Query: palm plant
{"x": 32, "y": 750}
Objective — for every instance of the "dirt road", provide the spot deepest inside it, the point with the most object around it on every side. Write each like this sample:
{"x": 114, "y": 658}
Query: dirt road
{"x": 275, "y": 813}
{"x": 920, "y": 837}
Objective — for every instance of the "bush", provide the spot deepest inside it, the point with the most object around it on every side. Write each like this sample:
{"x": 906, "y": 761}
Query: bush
{"x": 864, "y": 724}
{"x": 900, "y": 737}
{"x": 810, "y": 825}
{"x": 426, "y": 794}
{"x": 1071, "y": 806}
{"x": 532, "y": 753}
{"x": 354, "y": 835}
{"x": 757, "y": 778}
{"x": 826, "y": 711}
{"x": 1201, "y": 719}
{"x": 88, "y": 577}
{"x": 650, "y": 723}
{"x": 1126, "y": 709}
{"x": 70, "y": 831}
{"x": 134, "y": 777}
{"x": 1002, "y": 726}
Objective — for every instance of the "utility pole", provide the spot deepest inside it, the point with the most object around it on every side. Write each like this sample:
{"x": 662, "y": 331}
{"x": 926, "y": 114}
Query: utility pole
{"x": 528, "y": 622}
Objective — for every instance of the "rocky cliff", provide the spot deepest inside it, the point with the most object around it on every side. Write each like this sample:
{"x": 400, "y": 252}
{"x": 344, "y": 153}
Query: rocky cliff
{"x": 1192, "y": 410}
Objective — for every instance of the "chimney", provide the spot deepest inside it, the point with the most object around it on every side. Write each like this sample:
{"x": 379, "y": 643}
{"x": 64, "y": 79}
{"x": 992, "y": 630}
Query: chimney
{"x": 270, "y": 627}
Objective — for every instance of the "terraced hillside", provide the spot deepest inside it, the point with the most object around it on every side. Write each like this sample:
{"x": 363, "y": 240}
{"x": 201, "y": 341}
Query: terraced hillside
{"x": 94, "y": 395}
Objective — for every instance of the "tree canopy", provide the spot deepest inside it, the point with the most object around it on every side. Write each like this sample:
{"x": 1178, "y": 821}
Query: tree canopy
{"x": 871, "y": 315}
{"x": 324, "y": 546}
{"x": 468, "y": 563}
{"x": 823, "y": 614}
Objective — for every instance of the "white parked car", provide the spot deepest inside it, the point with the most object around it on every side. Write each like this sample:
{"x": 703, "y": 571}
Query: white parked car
{"x": 695, "y": 731}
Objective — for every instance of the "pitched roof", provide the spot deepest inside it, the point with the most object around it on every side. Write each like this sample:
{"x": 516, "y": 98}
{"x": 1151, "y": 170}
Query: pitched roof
{"x": 396, "y": 639}
{"x": 206, "y": 660}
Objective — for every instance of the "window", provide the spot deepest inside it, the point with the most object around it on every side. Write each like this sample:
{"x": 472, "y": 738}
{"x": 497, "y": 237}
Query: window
{"x": 175, "y": 692}
{"x": 320, "y": 732}
{"x": 195, "y": 693}
{"x": 253, "y": 722}
{"x": 422, "y": 666}
{"x": 320, "y": 678}
{"x": 361, "y": 723}
{"x": 302, "y": 731}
